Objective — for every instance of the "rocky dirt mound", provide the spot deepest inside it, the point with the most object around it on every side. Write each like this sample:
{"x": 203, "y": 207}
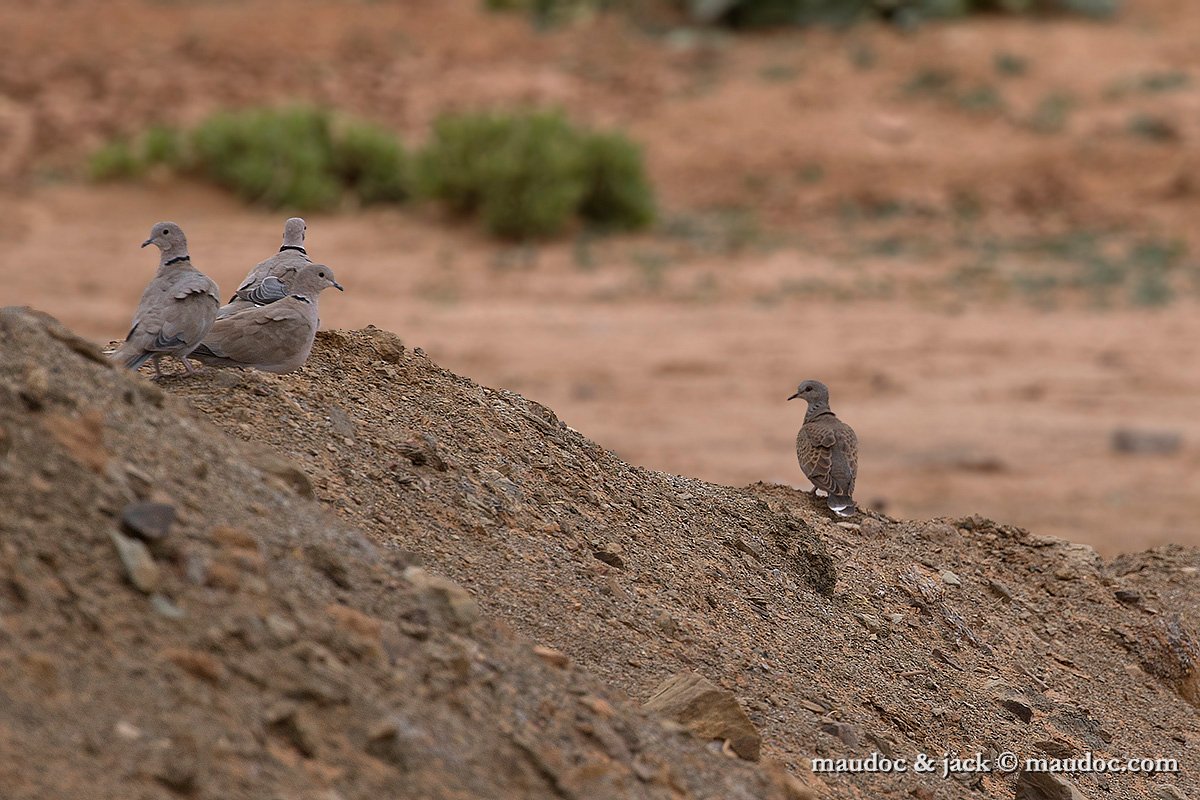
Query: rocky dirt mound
{"x": 838, "y": 639}
{"x": 255, "y": 646}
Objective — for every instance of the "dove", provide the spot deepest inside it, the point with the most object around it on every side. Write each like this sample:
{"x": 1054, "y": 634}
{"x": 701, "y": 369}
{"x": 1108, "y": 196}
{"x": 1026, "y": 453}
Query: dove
{"x": 257, "y": 288}
{"x": 827, "y": 449}
{"x": 274, "y": 338}
{"x": 176, "y": 310}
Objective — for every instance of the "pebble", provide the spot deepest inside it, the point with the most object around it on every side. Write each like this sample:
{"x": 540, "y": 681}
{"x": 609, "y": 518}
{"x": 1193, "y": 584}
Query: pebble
{"x": 163, "y": 606}
{"x": 610, "y": 553}
{"x": 1046, "y": 786}
{"x": 1018, "y": 707}
{"x": 555, "y": 658}
{"x": 950, "y": 579}
{"x": 139, "y": 565}
{"x": 148, "y": 521}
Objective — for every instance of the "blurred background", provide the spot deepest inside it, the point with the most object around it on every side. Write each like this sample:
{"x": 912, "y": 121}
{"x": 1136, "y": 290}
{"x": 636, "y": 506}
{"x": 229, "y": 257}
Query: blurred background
{"x": 974, "y": 220}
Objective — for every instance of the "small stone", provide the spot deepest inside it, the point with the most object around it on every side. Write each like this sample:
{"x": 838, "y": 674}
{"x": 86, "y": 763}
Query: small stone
{"x": 453, "y": 604}
{"x": 178, "y": 767}
{"x": 148, "y": 521}
{"x": 1045, "y": 786}
{"x": 1000, "y": 590}
{"x": 666, "y": 623}
{"x": 553, "y": 657}
{"x": 843, "y": 732}
{"x": 289, "y": 722}
{"x": 610, "y": 553}
{"x": 227, "y": 536}
{"x": 383, "y": 730}
{"x": 282, "y": 629}
{"x": 163, "y": 606}
{"x": 36, "y": 389}
{"x": 1018, "y": 707}
{"x": 598, "y": 706}
{"x": 140, "y": 568}
{"x": 285, "y": 471}
{"x": 196, "y": 663}
{"x": 127, "y": 730}
{"x": 950, "y": 579}
{"x": 1128, "y": 597}
{"x": 707, "y": 710}
{"x": 1167, "y": 791}
{"x": 1055, "y": 748}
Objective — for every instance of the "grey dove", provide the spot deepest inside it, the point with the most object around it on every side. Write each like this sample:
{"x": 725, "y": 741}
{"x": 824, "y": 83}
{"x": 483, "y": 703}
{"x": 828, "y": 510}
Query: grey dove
{"x": 272, "y": 279}
{"x": 177, "y": 309}
{"x": 276, "y": 337}
{"x": 827, "y": 449}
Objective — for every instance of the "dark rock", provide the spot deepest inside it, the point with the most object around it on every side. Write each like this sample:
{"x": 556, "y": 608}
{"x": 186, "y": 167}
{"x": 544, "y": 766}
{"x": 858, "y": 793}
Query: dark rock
{"x": 150, "y": 522}
{"x": 1019, "y": 707}
{"x": 1128, "y": 597}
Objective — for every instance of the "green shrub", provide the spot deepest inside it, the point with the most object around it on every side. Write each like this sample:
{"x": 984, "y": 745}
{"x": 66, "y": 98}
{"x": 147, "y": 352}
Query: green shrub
{"x": 162, "y": 145}
{"x": 372, "y": 162}
{"x": 528, "y": 175}
{"x": 766, "y": 13}
{"x": 617, "y": 193}
{"x": 525, "y": 175}
{"x": 452, "y": 166}
{"x": 114, "y": 161}
{"x": 533, "y": 181}
{"x": 761, "y": 13}
{"x": 273, "y": 157}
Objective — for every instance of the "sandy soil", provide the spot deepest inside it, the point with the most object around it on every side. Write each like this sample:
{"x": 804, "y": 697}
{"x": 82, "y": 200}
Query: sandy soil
{"x": 825, "y": 202}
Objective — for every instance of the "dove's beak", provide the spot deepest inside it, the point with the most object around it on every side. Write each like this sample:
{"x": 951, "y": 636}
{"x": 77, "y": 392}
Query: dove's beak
{"x": 148, "y": 241}
{"x": 793, "y": 397}
{"x": 338, "y": 286}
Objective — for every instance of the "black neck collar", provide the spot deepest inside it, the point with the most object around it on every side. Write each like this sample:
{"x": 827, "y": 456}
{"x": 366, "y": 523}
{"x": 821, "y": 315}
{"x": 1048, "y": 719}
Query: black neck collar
{"x": 176, "y": 260}
{"x": 302, "y": 298}
{"x": 295, "y": 247}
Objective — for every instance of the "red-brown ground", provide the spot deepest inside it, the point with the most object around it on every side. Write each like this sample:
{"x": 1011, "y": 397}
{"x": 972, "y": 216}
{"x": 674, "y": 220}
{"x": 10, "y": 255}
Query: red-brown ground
{"x": 830, "y": 200}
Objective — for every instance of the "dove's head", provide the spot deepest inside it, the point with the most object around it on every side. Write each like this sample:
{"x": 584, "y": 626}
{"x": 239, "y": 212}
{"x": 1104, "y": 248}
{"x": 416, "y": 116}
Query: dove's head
{"x": 167, "y": 237}
{"x": 314, "y": 279}
{"x": 814, "y": 392}
{"x": 293, "y": 232}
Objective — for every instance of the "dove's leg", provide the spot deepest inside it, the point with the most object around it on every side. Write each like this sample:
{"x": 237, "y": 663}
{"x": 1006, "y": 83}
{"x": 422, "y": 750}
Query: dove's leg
{"x": 187, "y": 365}
{"x": 157, "y": 368}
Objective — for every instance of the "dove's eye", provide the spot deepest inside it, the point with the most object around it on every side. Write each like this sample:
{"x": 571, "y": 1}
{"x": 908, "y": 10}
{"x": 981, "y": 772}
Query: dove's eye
{"x": 165, "y": 232}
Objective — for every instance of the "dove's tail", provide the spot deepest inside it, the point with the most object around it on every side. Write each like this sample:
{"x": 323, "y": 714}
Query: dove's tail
{"x": 129, "y": 361}
{"x": 842, "y": 505}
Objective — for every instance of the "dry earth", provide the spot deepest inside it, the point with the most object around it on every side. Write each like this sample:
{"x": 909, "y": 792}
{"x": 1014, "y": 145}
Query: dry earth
{"x": 287, "y": 646}
{"x": 830, "y": 203}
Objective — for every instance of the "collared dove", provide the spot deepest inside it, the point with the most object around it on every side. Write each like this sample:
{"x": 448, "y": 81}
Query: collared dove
{"x": 827, "y": 449}
{"x": 257, "y": 288}
{"x": 177, "y": 309}
{"x": 276, "y": 337}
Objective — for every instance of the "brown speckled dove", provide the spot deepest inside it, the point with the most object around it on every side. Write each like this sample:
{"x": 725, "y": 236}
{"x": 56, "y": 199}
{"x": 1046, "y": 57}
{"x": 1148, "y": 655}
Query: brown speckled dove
{"x": 272, "y": 279}
{"x": 177, "y": 309}
{"x": 276, "y": 337}
{"x": 827, "y": 449}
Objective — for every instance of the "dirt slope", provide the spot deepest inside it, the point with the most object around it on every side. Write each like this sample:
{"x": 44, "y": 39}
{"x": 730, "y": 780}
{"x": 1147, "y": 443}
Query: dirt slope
{"x": 277, "y": 652}
{"x": 278, "y": 649}
{"x": 903, "y": 637}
